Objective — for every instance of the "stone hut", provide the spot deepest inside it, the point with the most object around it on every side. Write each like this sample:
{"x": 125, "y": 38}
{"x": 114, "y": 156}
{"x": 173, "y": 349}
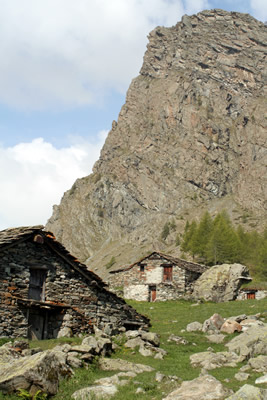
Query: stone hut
{"x": 45, "y": 291}
{"x": 156, "y": 277}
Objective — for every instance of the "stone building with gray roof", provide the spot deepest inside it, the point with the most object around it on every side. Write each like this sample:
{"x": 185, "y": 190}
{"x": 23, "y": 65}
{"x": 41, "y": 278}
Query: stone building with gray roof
{"x": 44, "y": 289}
{"x": 156, "y": 277}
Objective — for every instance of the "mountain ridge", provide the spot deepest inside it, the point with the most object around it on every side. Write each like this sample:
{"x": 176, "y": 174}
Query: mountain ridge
{"x": 191, "y": 136}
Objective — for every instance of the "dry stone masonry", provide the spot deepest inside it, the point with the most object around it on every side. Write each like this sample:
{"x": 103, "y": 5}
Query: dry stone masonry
{"x": 44, "y": 290}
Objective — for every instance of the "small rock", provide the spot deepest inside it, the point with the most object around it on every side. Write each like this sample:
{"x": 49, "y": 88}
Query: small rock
{"x": 139, "y": 390}
{"x": 241, "y": 376}
{"x": 216, "y": 338}
{"x": 136, "y": 342}
{"x": 177, "y": 339}
{"x": 159, "y": 377}
{"x": 231, "y": 327}
{"x": 109, "y": 364}
{"x": 194, "y": 327}
{"x": 261, "y": 379}
{"x": 151, "y": 337}
{"x": 95, "y": 392}
{"x": 145, "y": 352}
{"x": 65, "y": 332}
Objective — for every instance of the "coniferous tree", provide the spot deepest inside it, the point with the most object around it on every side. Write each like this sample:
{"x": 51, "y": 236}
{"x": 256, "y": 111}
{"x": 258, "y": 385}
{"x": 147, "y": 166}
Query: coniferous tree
{"x": 201, "y": 236}
{"x": 188, "y": 234}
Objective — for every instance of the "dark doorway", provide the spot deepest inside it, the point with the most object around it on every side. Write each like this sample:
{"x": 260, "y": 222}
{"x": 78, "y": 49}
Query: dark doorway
{"x": 36, "y": 322}
{"x": 37, "y": 284}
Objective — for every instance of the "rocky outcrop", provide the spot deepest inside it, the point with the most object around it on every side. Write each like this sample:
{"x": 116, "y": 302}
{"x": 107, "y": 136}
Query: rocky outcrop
{"x": 221, "y": 282}
{"x": 192, "y": 134}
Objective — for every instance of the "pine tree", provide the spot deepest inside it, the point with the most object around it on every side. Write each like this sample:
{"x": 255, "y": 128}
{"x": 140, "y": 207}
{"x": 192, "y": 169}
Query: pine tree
{"x": 224, "y": 244}
{"x": 187, "y": 236}
{"x": 201, "y": 237}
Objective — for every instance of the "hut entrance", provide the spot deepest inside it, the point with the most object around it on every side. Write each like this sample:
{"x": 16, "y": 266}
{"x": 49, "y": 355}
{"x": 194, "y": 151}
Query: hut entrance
{"x": 36, "y": 323}
{"x": 152, "y": 293}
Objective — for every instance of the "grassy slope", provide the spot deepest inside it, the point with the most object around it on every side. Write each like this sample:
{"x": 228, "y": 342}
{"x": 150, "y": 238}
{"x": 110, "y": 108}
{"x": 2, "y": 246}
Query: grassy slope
{"x": 166, "y": 318}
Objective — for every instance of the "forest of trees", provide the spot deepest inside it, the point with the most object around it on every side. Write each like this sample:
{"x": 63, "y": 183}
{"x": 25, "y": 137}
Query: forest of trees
{"x": 217, "y": 241}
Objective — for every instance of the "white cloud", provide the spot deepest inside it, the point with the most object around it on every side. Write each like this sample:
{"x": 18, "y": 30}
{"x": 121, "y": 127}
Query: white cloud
{"x": 65, "y": 53}
{"x": 34, "y": 176}
{"x": 259, "y": 8}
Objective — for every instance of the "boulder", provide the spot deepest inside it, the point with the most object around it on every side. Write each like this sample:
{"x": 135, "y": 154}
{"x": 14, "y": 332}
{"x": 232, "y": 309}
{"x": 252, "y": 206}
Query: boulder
{"x": 209, "y": 360}
{"x": 249, "y": 343}
{"x": 220, "y": 282}
{"x": 42, "y": 371}
{"x": 136, "y": 342}
{"x": 231, "y": 327}
{"x": 151, "y": 337}
{"x": 8, "y": 354}
{"x": 109, "y": 364}
{"x": 132, "y": 334}
{"x": 216, "y": 338}
{"x": 145, "y": 352}
{"x": 241, "y": 376}
{"x": 65, "y": 332}
{"x": 177, "y": 339}
{"x": 259, "y": 364}
{"x": 249, "y": 392}
{"x": 261, "y": 379}
{"x": 214, "y": 323}
{"x": 203, "y": 388}
{"x": 73, "y": 359}
{"x": 194, "y": 326}
{"x": 95, "y": 392}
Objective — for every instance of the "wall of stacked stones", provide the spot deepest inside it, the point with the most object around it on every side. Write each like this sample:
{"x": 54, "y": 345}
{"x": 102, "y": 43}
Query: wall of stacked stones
{"x": 90, "y": 304}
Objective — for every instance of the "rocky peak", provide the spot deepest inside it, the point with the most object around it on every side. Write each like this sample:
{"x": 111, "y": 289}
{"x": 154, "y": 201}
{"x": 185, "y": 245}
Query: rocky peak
{"x": 191, "y": 135}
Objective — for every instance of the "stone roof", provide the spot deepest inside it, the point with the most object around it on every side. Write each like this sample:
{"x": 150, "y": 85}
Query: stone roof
{"x": 188, "y": 265}
{"x": 11, "y": 236}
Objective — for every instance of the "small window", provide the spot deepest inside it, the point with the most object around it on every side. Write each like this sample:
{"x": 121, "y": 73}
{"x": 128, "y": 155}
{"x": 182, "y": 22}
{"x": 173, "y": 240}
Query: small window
{"x": 37, "y": 284}
{"x": 167, "y": 274}
{"x": 142, "y": 268}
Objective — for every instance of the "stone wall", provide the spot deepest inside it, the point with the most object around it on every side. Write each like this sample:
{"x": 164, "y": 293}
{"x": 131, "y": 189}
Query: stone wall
{"x": 72, "y": 301}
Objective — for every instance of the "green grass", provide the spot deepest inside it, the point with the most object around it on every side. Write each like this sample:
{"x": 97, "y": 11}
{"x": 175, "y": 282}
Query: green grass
{"x": 166, "y": 318}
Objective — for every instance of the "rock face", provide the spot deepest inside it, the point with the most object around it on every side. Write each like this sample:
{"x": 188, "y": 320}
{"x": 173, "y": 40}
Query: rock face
{"x": 191, "y": 135}
{"x": 221, "y": 282}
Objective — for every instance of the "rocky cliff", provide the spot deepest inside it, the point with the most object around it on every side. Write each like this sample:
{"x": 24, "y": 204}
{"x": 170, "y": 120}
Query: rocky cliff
{"x": 191, "y": 136}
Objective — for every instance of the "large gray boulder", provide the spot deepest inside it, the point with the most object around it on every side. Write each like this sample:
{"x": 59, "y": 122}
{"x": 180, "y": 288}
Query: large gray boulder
{"x": 41, "y": 371}
{"x": 249, "y": 392}
{"x": 250, "y": 343}
{"x": 203, "y": 388}
{"x": 221, "y": 282}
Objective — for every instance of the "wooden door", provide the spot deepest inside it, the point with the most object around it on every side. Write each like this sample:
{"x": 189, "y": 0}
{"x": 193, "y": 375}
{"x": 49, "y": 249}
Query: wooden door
{"x": 36, "y": 323}
{"x": 152, "y": 293}
{"x": 251, "y": 296}
{"x": 37, "y": 284}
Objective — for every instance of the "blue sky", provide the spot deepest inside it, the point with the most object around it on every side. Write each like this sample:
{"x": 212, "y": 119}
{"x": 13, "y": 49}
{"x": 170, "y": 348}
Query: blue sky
{"x": 64, "y": 72}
